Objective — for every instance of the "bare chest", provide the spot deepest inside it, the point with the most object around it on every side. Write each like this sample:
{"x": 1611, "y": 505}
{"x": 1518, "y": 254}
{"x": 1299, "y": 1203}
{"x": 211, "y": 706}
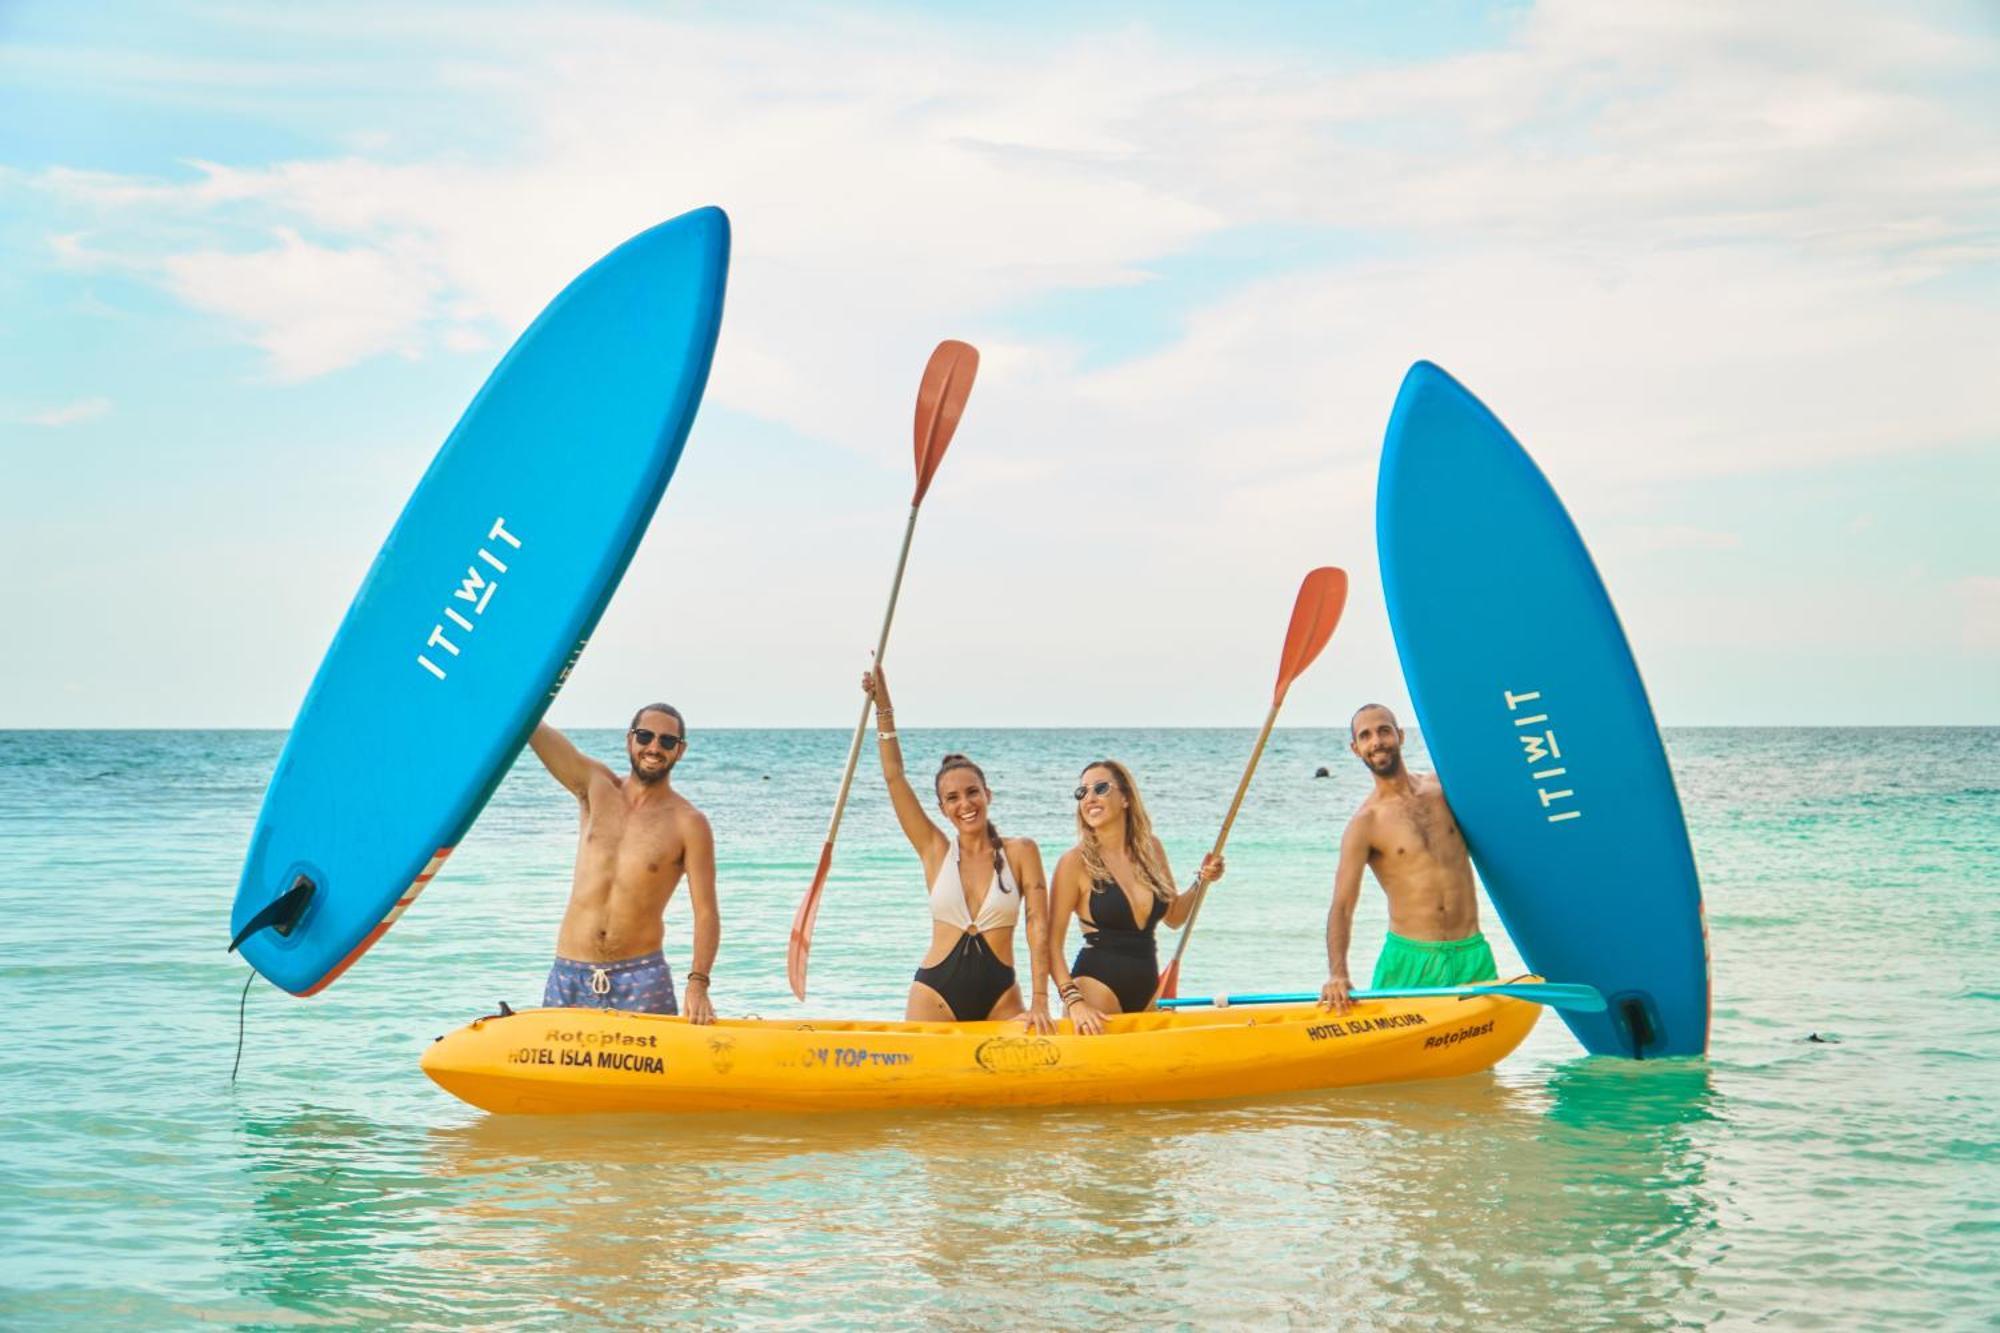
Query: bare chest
{"x": 1416, "y": 829}
{"x": 641, "y": 841}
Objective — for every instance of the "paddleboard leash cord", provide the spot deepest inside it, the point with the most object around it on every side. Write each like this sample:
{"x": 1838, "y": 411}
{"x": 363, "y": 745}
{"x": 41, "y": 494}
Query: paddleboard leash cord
{"x": 242, "y": 1012}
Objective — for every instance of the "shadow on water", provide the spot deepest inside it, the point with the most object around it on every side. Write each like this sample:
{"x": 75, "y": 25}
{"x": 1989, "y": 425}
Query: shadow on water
{"x": 1107, "y": 1211}
{"x": 1585, "y": 1200}
{"x": 887, "y": 1209}
{"x": 341, "y": 1223}
{"x": 1467, "y": 1200}
{"x": 1472, "y": 1200}
{"x": 643, "y": 1216}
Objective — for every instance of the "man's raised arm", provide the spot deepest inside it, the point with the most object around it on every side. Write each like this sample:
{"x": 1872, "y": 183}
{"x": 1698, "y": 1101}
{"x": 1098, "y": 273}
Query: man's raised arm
{"x": 569, "y": 765}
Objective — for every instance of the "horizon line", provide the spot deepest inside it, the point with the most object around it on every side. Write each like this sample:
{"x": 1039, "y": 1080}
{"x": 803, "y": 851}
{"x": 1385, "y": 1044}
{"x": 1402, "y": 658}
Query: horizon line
{"x": 1118, "y": 726}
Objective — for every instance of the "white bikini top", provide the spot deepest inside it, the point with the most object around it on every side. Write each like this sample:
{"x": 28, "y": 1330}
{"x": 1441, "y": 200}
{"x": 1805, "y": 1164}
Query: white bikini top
{"x": 1000, "y": 910}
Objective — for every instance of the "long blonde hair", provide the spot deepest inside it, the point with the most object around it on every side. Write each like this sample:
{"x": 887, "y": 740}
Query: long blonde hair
{"x": 1140, "y": 844}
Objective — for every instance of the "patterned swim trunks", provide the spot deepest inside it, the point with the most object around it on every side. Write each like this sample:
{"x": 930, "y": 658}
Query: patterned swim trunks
{"x": 642, "y": 985}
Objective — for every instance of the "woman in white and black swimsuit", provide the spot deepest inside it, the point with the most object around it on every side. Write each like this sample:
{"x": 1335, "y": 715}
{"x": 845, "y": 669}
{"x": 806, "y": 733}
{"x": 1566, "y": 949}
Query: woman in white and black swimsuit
{"x": 978, "y": 881}
{"x": 1115, "y": 878}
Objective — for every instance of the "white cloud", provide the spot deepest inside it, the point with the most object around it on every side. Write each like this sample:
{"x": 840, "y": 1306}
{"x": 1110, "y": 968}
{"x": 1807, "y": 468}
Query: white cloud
{"x": 1673, "y": 363}
{"x": 69, "y": 414}
{"x": 71, "y": 250}
{"x": 1700, "y": 238}
{"x": 1665, "y": 242}
{"x": 312, "y": 309}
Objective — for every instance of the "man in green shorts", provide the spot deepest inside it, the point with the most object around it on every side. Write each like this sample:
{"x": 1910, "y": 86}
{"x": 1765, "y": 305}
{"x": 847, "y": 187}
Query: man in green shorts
{"x": 1406, "y": 834}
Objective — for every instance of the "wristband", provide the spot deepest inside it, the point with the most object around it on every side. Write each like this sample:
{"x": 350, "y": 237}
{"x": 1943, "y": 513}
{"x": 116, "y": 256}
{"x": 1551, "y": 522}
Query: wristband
{"x": 702, "y": 977}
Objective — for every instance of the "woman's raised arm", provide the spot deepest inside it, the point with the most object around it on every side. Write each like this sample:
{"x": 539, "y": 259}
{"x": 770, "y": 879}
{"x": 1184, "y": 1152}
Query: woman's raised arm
{"x": 924, "y": 836}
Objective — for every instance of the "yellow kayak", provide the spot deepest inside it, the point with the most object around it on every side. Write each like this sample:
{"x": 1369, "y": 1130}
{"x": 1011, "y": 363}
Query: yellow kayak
{"x": 569, "y": 1061}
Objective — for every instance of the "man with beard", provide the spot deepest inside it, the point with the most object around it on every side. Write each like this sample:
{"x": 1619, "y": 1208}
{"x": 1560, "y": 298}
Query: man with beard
{"x": 639, "y": 837}
{"x": 1405, "y": 833}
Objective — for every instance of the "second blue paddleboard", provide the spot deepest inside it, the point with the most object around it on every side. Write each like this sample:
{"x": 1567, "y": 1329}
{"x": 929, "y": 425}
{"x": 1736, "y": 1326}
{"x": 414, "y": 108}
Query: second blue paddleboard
{"x": 1532, "y": 708}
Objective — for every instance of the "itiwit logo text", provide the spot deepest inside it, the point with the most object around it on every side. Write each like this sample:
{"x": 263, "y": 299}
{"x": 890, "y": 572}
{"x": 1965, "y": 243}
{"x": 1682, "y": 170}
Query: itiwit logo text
{"x": 1542, "y": 753}
{"x": 467, "y": 604}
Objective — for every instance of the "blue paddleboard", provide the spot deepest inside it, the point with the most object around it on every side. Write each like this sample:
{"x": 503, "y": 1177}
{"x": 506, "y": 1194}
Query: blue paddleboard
{"x": 480, "y": 601}
{"x": 1533, "y": 710}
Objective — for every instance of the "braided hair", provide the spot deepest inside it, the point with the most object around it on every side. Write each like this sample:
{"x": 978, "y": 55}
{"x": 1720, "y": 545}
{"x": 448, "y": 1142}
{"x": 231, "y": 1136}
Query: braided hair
{"x": 955, "y": 761}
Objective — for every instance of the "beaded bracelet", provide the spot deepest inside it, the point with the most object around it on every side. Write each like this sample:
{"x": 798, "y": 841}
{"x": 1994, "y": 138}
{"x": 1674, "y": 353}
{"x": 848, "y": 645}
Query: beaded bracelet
{"x": 702, "y": 977}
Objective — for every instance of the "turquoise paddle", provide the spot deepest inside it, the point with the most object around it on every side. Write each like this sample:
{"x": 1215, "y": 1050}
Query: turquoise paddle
{"x": 1555, "y": 994}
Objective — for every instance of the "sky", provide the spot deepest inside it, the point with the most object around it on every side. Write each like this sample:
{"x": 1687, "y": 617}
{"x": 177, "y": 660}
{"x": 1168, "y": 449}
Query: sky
{"x": 1730, "y": 272}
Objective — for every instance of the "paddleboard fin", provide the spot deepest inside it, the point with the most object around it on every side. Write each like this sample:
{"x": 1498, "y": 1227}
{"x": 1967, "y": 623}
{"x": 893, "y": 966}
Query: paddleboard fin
{"x": 281, "y": 913}
{"x": 1638, "y": 1024}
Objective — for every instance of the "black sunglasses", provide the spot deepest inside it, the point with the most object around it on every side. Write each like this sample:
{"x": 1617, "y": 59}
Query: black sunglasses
{"x": 1094, "y": 789}
{"x": 644, "y": 737}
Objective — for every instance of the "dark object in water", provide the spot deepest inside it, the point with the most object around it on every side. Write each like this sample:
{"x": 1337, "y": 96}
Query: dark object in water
{"x": 1823, "y": 1041}
{"x": 1323, "y": 772}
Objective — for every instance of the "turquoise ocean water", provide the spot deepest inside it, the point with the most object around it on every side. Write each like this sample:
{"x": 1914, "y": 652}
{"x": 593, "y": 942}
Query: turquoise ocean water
{"x": 1853, "y": 882}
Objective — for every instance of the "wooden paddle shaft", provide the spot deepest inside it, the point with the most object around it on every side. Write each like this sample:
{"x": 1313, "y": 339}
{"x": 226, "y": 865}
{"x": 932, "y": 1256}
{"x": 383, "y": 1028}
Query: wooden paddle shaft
{"x": 868, "y": 702}
{"x": 1200, "y": 889}
{"x": 1249, "y": 770}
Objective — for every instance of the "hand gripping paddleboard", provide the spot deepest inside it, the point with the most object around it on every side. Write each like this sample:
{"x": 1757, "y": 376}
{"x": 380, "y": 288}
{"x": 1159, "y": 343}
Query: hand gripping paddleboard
{"x": 1533, "y": 710}
{"x": 480, "y": 601}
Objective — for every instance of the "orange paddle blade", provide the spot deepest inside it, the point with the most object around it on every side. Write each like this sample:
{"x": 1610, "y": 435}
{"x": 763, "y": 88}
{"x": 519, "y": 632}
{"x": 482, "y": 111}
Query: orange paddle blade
{"x": 1170, "y": 984}
{"x": 940, "y": 402}
{"x": 1321, "y": 598}
{"x": 802, "y": 924}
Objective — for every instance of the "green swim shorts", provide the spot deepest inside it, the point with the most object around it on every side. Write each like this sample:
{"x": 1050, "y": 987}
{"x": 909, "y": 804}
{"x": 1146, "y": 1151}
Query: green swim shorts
{"x": 1406, "y": 963}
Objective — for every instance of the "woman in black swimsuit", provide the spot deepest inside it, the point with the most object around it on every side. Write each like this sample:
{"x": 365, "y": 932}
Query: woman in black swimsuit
{"x": 979, "y": 883}
{"x": 1113, "y": 879}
